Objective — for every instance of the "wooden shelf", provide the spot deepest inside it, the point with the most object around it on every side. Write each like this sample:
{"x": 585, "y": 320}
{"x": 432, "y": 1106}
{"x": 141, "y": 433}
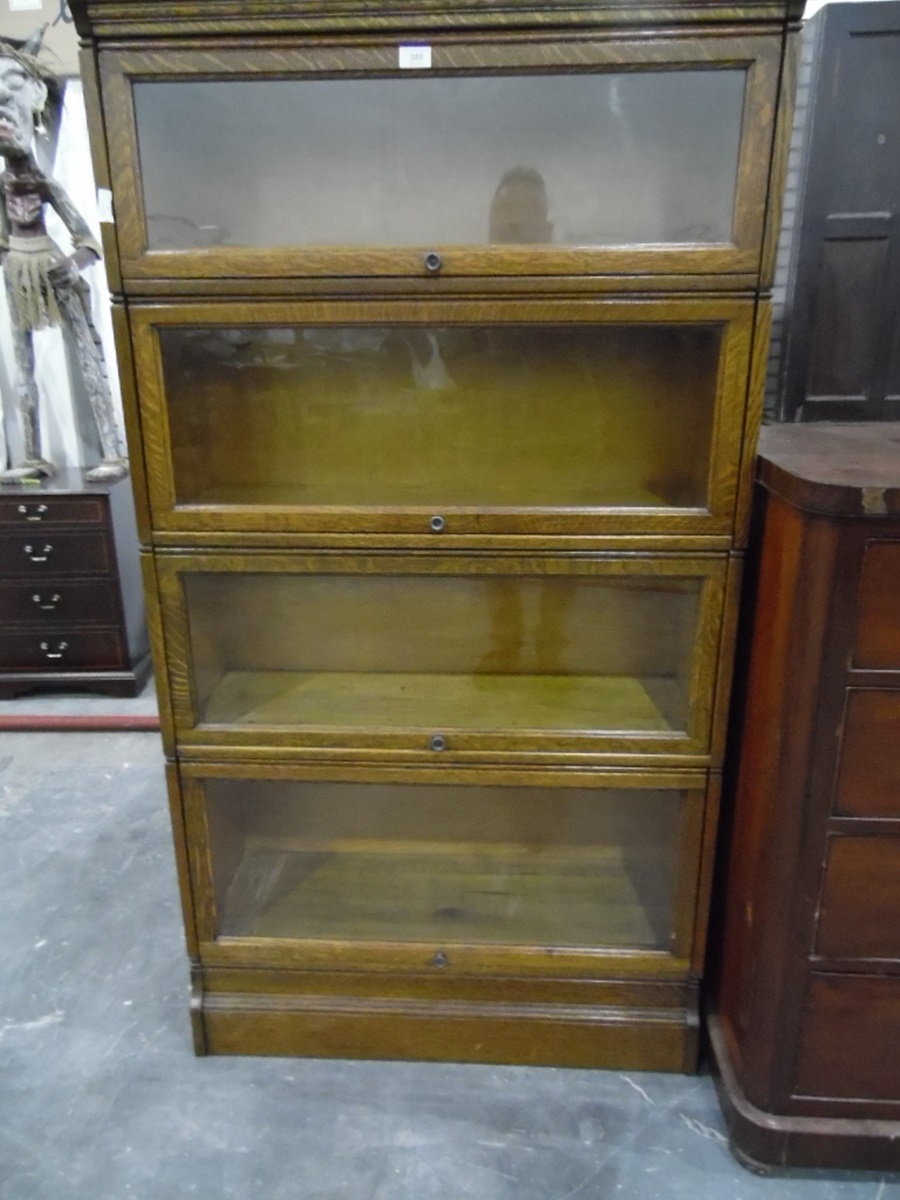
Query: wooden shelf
{"x": 610, "y": 489}
{"x": 438, "y": 701}
{"x": 559, "y": 896}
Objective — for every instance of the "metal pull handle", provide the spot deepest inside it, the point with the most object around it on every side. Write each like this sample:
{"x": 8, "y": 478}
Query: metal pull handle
{"x": 438, "y": 743}
{"x": 433, "y": 262}
{"x": 36, "y": 513}
{"x": 61, "y": 648}
{"x": 43, "y": 556}
{"x": 39, "y": 601}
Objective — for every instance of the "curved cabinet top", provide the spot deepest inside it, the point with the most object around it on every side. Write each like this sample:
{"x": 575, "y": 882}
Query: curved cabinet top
{"x": 840, "y": 469}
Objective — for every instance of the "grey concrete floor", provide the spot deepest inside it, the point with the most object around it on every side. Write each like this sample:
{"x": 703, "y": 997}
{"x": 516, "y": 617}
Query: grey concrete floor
{"x": 101, "y": 1097}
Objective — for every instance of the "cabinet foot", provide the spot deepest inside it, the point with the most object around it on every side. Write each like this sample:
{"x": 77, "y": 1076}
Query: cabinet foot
{"x": 764, "y": 1141}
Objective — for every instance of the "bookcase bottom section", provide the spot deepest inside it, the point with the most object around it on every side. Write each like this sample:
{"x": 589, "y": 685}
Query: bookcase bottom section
{"x": 644, "y": 1030}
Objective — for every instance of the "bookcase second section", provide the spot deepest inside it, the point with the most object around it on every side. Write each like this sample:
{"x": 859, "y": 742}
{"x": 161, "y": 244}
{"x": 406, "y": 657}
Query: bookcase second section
{"x": 444, "y": 417}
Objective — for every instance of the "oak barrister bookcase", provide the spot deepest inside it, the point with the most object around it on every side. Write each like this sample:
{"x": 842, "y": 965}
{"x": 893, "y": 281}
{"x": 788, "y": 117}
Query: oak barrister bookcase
{"x": 442, "y": 326}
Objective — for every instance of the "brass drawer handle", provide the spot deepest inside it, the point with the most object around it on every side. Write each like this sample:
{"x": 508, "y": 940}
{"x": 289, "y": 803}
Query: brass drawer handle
{"x": 33, "y": 513}
{"x": 51, "y": 605}
{"x": 61, "y": 648}
{"x": 43, "y": 556}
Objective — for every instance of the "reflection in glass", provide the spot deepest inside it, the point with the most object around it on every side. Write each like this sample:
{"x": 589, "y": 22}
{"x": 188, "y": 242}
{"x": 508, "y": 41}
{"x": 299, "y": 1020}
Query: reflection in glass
{"x": 577, "y": 415}
{"x": 432, "y": 652}
{"x": 633, "y": 157}
{"x": 446, "y": 864}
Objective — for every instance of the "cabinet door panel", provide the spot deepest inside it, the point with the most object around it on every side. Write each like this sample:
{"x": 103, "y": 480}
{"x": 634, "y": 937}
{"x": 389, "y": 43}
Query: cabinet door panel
{"x": 528, "y": 417}
{"x": 604, "y": 863}
{"x": 507, "y": 159}
{"x": 439, "y": 655}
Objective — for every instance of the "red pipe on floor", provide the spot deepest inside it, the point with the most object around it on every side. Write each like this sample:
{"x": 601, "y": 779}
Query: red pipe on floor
{"x": 113, "y": 722}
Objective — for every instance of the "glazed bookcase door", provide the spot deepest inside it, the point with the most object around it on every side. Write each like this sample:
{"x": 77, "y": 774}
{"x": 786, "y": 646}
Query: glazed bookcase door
{"x": 521, "y": 157}
{"x": 314, "y": 867}
{"x": 446, "y": 417}
{"x": 440, "y": 658}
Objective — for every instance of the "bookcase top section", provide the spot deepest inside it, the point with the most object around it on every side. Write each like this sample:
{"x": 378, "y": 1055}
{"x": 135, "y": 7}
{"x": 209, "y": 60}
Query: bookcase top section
{"x": 113, "y": 19}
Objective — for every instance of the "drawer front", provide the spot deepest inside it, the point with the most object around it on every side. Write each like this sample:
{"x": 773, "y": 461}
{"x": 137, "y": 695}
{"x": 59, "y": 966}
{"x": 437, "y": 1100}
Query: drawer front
{"x": 42, "y": 554}
{"x": 84, "y": 602}
{"x": 444, "y": 655}
{"x": 859, "y": 912}
{"x": 63, "y": 650}
{"x": 868, "y": 782}
{"x": 850, "y": 1043}
{"x": 618, "y": 191}
{"x": 48, "y": 509}
{"x": 878, "y": 634}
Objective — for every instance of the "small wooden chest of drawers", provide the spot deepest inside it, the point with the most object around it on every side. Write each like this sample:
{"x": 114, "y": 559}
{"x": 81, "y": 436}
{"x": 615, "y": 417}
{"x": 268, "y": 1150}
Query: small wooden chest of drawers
{"x": 71, "y": 601}
{"x": 806, "y": 1030}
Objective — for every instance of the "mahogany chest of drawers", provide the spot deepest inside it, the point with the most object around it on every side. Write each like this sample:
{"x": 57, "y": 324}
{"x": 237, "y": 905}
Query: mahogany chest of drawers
{"x": 806, "y": 1028}
{"x": 71, "y": 600}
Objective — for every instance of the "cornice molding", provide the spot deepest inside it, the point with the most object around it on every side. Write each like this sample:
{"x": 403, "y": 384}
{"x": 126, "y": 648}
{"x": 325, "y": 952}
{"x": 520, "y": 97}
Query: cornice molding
{"x": 122, "y": 19}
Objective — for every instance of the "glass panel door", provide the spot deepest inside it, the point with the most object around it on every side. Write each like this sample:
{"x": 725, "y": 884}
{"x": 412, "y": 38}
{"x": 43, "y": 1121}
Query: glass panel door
{"x": 387, "y": 415}
{"x": 523, "y": 416}
{"x": 433, "y": 656}
{"x": 517, "y": 157}
{"x": 604, "y": 159}
{"x": 445, "y": 864}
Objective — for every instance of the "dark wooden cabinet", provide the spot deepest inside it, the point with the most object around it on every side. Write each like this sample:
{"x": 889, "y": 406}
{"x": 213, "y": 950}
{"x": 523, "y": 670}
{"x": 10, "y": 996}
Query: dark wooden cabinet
{"x": 71, "y": 595}
{"x": 806, "y": 1023}
{"x": 842, "y": 353}
{"x": 443, "y": 326}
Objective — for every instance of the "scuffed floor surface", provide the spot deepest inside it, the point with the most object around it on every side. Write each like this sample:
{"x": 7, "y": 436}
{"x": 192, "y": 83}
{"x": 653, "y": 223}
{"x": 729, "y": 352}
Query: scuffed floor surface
{"x": 101, "y": 1097}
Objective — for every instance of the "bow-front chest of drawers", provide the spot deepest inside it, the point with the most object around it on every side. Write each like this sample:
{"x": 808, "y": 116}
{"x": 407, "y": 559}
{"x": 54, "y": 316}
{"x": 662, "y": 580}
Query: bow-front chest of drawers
{"x": 806, "y": 1023}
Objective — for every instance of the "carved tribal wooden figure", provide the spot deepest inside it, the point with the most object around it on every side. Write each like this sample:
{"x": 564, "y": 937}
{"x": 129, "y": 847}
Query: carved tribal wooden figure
{"x": 43, "y": 284}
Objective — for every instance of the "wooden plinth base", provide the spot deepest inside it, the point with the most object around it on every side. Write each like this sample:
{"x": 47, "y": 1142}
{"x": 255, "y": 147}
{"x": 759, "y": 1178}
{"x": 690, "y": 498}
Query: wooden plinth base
{"x": 535, "y": 1034}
